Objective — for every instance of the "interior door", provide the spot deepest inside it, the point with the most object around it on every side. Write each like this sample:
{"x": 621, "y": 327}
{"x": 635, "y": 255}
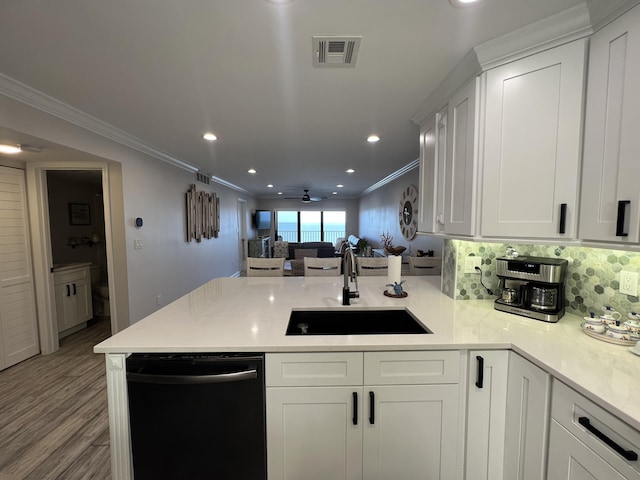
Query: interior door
{"x": 18, "y": 321}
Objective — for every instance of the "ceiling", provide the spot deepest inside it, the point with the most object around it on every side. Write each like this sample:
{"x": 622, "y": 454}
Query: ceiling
{"x": 166, "y": 71}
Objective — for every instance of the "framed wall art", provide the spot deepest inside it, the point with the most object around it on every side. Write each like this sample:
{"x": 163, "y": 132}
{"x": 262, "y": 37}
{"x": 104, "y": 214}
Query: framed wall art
{"x": 79, "y": 214}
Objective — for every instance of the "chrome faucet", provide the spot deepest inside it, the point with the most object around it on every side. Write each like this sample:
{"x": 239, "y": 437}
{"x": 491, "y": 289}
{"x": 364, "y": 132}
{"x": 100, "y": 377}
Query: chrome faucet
{"x": 349, "y": 272}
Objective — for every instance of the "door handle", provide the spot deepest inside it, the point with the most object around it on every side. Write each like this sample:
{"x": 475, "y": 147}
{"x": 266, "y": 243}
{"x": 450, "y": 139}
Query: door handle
{"x": 74, "y": 289}
{"x": 68, "y": 290}
{"x": 563, "y": 218}
{"x": 480, "y": 374}
{"x": 372, "y": 403}
{"x": 355, "y": 408}
{"x": 192, "y": 379}
{"x": 622, "y": 213}
{"x": 626, "y": 454}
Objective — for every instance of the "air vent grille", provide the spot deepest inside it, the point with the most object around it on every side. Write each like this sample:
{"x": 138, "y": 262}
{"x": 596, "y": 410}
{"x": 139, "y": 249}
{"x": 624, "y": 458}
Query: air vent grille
{"x": 203, "y": 178}
{"x": 335, "y": 51}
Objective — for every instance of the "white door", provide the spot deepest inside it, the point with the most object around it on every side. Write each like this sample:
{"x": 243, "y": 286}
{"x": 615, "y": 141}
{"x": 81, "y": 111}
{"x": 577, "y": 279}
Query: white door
{"x": 410, "y": 432}
{"x": 428, "y": 186}
{"x": 611, "y": 142}
{"x": 314, "y": 433}
{"x": 18, "y": 321}
{"x": 532, "y": 136}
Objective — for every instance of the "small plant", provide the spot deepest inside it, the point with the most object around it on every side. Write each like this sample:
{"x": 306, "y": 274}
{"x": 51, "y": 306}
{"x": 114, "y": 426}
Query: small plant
{"x": 361, "y": 245}
{"x": 387, "y": 240}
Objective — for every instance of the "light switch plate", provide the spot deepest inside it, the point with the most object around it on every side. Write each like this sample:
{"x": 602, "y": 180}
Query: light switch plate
{"x": 628, "y": 283}
{"x": 137, "y": 243}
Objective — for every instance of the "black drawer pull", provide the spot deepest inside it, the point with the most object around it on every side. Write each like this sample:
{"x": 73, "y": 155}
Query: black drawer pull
{"x": 74, "y": 289}
{"x": 355, "y": 408}
{"x": 626, "y": 454}
{"x": 480, "y": 374}
{"x": 68, "y": 290}
{"x": 563, "y": 218}
{"x": 622, "y": 213}
{"x": 372, "y": 402}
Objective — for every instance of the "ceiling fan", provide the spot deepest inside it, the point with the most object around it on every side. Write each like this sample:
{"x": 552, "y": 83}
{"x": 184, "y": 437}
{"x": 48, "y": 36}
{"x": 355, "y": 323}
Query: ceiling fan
{"x": 306, "y": 198}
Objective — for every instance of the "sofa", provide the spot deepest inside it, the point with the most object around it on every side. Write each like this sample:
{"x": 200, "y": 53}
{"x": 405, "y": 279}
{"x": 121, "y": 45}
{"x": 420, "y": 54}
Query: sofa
{"x": 325, "y": 249}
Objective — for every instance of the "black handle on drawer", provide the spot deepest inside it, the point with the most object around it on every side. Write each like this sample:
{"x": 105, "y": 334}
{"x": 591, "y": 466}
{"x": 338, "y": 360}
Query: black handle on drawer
{"x": 74, "y": 289}
{"x": 563, "y": 218}
{"x": 480, "y": 374}
{"x": 622, "y": 213}
{"x": 372, "y": 403}
{"x": 68, "y": 290}
{"x": 626, "y": 454}
{"x": 355, "y": 408}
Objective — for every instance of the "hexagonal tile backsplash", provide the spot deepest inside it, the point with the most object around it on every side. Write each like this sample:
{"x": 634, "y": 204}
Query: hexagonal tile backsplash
{"x": 592, "y": 277}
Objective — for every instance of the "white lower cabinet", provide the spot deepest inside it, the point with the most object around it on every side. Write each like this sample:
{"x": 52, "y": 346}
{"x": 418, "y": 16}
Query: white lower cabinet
{"x": 588, "y": 442}
{"x": 400, "y": 420}
{"x": 72, "y": 289}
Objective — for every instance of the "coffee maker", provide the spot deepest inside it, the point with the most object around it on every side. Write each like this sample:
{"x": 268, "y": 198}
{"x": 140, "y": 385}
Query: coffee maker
{"x": 532, "y": 287}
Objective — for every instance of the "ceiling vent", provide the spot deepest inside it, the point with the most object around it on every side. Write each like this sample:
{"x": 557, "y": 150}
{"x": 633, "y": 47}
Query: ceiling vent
{"x": 335, "y": 51}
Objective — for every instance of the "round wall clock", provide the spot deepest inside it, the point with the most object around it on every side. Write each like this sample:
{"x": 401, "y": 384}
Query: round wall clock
{"x": 408, "y": 212}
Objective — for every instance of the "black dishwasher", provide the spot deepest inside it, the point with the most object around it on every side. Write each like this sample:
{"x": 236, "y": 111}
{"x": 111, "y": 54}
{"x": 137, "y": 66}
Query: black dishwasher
{"x": 197, "y": 416}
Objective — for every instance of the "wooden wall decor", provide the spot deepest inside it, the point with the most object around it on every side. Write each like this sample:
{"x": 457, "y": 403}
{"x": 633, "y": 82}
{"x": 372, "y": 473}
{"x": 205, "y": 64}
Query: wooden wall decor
{"x": 203, "y": 215}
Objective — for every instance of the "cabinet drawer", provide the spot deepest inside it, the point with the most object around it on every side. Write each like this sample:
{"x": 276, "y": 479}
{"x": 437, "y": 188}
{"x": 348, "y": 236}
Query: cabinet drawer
{"x": 411, "y": 368}
{"x": 572, "y": 411}
{"x": 69, "y": 276}
{"x": 313, "y": 369}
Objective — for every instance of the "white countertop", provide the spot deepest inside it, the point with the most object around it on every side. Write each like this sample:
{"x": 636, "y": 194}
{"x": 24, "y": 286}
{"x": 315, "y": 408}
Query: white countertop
{"x": 251, "y": 315}
{"x": 70, "y": 266}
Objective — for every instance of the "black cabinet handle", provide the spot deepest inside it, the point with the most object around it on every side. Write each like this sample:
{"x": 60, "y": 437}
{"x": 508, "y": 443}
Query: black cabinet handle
{"x": 626, "y": 454}
{"x": 74, "y": 289}
{"x": 622, "y": 213}
{"x": 372, "y": 403}
{"x": 480, "y": 374}
{"x": 68, "y": 290}
{"x": 355, "y": 408}
{"x": 563, "y": 218}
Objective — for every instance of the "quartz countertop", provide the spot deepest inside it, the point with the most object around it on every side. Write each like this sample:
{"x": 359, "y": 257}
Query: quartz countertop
{"x": 70, "y": 266}
{"x": 251, "y": 315}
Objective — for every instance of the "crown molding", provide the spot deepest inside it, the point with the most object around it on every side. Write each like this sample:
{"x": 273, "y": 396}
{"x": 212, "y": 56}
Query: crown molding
{"x": 564, "y": 27}
{"x": 222, "y": 181}
{"x": 22, "y": 93}
{"x": 390, "y": 178}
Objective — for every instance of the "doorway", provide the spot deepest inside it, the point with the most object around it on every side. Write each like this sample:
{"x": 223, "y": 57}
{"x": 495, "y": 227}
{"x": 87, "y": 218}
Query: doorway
{"x": 77, "y": 238}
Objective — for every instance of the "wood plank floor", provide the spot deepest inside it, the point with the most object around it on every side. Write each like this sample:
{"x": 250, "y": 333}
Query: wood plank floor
{"x": 53, "y": 413}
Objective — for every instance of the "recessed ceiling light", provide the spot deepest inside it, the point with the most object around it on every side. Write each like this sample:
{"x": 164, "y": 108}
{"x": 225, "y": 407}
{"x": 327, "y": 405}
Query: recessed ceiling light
{"x": 464, "y": 3}
{"x": 334, "y": 193}
{"x": 270, "y": 185}
{"x": 339, "y": 185}
{"x": 349, "y": 170}
{"x": 373, "y": 138}
{"x": 279, "y": 2}
{"x": 209, "y": 137}
{"x": 251, "y": 170}
{"x": 9, "y": 149}
{"x": 279, "y": 193}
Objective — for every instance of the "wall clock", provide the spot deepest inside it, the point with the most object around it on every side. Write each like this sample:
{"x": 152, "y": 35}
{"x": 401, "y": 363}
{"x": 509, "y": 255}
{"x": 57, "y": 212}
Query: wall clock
{"x": 408, "y": 212}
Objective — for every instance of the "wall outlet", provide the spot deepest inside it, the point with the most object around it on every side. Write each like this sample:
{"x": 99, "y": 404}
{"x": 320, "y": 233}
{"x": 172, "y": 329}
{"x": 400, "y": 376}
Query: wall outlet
{"x": 470, "y": 264}
{"x": 137, "y": 243}
{"x": 629, "y": 283}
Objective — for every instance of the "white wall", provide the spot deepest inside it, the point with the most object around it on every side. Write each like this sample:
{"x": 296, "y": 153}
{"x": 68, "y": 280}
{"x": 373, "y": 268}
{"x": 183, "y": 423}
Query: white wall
{"x": 154, "y": 190}
{"x": 379, "y": 214}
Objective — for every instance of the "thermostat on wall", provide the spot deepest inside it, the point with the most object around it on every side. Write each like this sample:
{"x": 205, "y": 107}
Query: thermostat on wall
{"x": 138, "y": 222}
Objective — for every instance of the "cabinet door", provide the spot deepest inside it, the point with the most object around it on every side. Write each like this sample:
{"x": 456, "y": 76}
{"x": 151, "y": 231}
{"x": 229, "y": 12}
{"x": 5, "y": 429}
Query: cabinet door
{"x": 460, "y": 163}
{"x": 611, "y": 141}
{"x": 527, "y": 420}
{"x": 82, "y": 293}
{"x": 486, "y": 414}
{"x": 428, "y": 187}
{"x": 531, "y": 156}
{"x": 570, "y": 459}
{"x": 411, "y": 432}
{"x": 314, "y": 433}
{"x": 65, "y": 306}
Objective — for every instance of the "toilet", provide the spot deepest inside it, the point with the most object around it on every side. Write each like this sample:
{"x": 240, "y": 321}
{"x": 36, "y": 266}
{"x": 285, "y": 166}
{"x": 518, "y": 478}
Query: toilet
{"x": 99, "y": 292}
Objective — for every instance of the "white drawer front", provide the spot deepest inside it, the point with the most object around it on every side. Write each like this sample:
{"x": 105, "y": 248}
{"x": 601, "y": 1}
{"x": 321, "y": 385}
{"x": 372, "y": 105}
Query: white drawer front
{"x": 69, "y": 276}
{"x": 313, "y": 369}
{"x": 411, "y": 368}
{"x": 568, "y": 407}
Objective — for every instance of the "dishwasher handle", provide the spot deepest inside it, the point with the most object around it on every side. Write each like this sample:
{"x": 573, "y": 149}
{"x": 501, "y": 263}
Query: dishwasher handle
{"x": 192, "y": 379}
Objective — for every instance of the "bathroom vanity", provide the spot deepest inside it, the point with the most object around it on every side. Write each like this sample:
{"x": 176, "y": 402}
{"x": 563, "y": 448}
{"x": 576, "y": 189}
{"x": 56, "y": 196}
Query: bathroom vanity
{"x": 72, "y": 287}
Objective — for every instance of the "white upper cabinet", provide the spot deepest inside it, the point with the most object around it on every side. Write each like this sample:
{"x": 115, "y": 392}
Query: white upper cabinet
{"x": 459, "y": 200}
{"x": 531, "y": 155}
{"x": 611, "y": 170}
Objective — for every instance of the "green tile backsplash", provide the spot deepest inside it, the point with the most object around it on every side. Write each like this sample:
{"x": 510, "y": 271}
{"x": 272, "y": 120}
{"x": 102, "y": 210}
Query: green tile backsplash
{"x": 592, "y": 278}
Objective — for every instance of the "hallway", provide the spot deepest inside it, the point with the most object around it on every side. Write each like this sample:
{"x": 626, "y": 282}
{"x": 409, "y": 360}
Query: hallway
{"x": 53, "y": 413}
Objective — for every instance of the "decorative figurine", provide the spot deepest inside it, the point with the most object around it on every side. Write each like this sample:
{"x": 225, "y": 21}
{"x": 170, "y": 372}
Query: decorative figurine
{"x": 397, "y": 288}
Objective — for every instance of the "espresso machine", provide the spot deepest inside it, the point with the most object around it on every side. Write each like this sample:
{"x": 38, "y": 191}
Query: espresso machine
{"x": 532, "y": 287}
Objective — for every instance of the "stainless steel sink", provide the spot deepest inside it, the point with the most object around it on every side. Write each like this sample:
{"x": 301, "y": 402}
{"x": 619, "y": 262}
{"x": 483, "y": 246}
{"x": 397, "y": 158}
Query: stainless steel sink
{"x": 351, "y": 321}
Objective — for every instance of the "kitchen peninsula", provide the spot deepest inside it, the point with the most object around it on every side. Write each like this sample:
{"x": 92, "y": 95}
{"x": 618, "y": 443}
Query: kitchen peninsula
{"x": 251, "y": 315}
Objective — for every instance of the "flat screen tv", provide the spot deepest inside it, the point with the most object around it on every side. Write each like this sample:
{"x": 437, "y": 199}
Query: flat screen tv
{"x": 263, "y": 219}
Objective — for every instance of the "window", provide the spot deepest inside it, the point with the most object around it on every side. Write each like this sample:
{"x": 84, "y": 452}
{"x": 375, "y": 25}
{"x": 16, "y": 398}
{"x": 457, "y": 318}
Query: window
{"x": 311, "y": 225}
